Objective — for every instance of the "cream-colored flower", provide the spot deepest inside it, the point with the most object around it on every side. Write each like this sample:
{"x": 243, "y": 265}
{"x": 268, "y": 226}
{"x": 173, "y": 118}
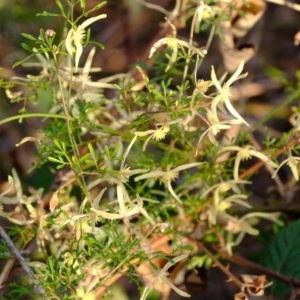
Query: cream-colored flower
{"x": 221, "y": 204}
{"x": 245, "y": 153}
{"x": 215, "y": 126}
{"x": 157, "y": 134}
{"x": 201, "y": 8}
{"x": 127, "y": 208}
{"x": 292, "y": 162}
{"x": 224, "y": 93}
{"x": 75, "y": 38}
{"x": 245, "y": 224}
{"x": 173, "y": 43}
{"x": 160, "y": 276}
{"x": 125, "y": 171}
{"x": 168, "y": 176}
{"x": 224, "y": 187}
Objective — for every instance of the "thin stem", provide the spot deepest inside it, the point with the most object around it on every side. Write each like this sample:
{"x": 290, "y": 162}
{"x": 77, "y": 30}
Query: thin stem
{"x": 20, "y": 258}
{"x": 207, "y": 46}
{"x": 258, "y": 268}
{"x": 33, "y": 115}
{"x": 224, "y": 269}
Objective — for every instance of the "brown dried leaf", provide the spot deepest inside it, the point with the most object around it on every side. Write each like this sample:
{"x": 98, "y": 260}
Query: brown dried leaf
{"x": 255, "y": 285}
{"x": 253, "y": 12}
{"x": 240, "y": 296}
{"x": 53, "y": 201}
{"x": 297, "y": 38}
{"x": 232, "y": 56}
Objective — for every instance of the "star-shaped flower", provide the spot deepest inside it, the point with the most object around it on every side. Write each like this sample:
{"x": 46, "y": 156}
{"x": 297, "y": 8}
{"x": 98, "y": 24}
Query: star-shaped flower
{"x": 292, "y": 162}
{"x": 244, "y": 153}
{"x": 76, "y": 36}
{"x": 224, "y": 94}
{"x": 160, "y": 276}
{"x": 168, "y": 176}
{"x": 215, "y": 126}
{"x": 174, "y": 43}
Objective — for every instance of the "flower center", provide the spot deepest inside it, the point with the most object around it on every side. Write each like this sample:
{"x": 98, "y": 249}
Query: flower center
{"x": 170, "y": 175}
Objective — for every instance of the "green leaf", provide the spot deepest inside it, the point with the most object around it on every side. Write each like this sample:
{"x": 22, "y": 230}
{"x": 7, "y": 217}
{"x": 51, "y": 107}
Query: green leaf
{"x": 91, "y": 149}
{"x": 47, "y": 14}
{"x": 60, "y": 6}
{"x": 282, "y": 255}
{"x": 98, "y": 6}
{"x": 26, "y": 47}
{"x": 29, "y": 36}
{"x": 82, "y": 5}
{"x": 53, "y": 159}
{"x": 100, "y": 45}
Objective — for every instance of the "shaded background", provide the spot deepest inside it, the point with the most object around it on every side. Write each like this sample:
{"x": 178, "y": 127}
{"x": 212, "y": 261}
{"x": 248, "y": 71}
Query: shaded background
{"x": 127, "y": 33}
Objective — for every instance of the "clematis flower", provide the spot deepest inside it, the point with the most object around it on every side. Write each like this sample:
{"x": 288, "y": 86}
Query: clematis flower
{"x": 76, "y": 36}
{"x": 224, "y": 187}
{"x": 245, "y": 153}
{"x": 168, "y": 176}
{"x": 245, "y": 224}
{"x": 215, "y": 126}
{"x": 173, "y": 43}
{"x": 220, "y": 204}
{"x": 127, "y": 208}
{"x": 160, "y": 276}
{"x": 292, "y": 162}
{"x": 224, "y": 93}
{"x": 157, "y": 134}
{"x": 224, "y": 204}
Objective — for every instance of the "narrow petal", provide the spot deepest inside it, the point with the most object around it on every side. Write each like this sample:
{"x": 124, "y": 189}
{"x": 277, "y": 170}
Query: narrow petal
{"x": 126, "y": 152}
{"x": 158, "y": 44}
{"x": 137, "y": 208}
{"x": 144, "y": 133}
{"x": 154, "y": 174}
{"x": 177, "y": 290}
{"x": 99, "y": 84}
{"x": 120, "y": 197}
{"x": 214, "y": 105}
{"x": 214, "y": 79}
{"x": 79, "y": 50}
{"x": 232, "y": 148}
{"x": 146, "y": 142}
{"x": 10, "y": 186}
{"x": 236, "y": 167}
{"x": 69, "y": 42}
{"x": 210, "y": 136}
{"x": 187, "y": 166}
{"x": 88, "y": 63}
{"x": 234, "y": 112}
{"x": 175, "y": 260}
{"x": 264, "y": 158}
{"x": 275, "y": 173}
{"x": 293, "y": 165}
{"x": 92, "y": 20}
{"x": 170, "y": 189}
{"x": 106, "y": 215}
{"x": 236, "y": 74}
{"x": 172, "y": 59}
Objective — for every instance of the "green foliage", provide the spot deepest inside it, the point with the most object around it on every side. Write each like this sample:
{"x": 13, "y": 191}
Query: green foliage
{"x": 282, "y": 255}
{"x": 149, "y": 164}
